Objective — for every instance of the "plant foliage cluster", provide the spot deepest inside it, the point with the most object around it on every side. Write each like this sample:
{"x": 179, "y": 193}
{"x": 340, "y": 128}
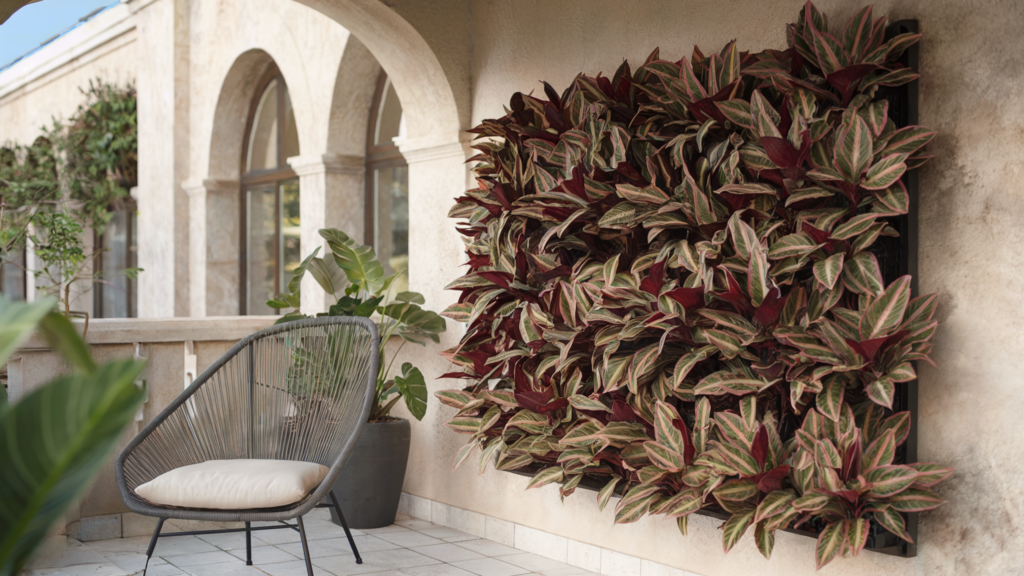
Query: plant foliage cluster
{"x": 354, "y": 278}
{"x": 672, "y": 289}
{"x": 69, "y": 180}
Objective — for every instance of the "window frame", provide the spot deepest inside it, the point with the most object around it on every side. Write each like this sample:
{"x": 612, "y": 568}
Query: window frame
{"x": 132, "y": 262}
{"x": 249, "y": 180}
{"x": 377, "y": 156}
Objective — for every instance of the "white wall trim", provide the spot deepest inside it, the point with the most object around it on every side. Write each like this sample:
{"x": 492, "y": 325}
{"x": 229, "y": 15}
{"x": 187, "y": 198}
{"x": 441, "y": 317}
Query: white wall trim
{"x": 559, "y": 548}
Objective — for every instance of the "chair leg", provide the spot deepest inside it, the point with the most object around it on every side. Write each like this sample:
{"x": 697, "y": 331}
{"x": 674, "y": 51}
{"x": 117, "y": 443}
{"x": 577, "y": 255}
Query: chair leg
{"x": 344, "y": 525}
{"x": 152, "y": 544}
{"x": 305, "y": 546}
{"x": 248, "y": 544}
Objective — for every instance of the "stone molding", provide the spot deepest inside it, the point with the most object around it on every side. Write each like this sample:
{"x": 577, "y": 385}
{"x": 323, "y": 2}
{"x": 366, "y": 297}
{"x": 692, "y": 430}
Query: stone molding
{"x": 209, "y": 186}
{"x": 349, "y": 164}
{"x": 417, "y": 150}
{"x": 179, "y": 329}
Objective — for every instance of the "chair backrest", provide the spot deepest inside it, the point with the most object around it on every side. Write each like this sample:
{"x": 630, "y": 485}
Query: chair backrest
{"x": 300, "y": 390}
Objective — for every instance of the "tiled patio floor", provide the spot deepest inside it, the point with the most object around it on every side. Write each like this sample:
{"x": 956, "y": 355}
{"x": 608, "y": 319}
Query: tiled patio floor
{"x": 410, "y": 547}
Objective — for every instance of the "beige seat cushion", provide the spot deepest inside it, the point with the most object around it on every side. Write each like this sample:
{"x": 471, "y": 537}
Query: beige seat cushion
{"x": 234, "y": 484}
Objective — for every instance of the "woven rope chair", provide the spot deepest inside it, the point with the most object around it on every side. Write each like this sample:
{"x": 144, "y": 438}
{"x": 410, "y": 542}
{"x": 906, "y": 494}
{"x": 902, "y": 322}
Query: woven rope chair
{"x": 296, "y": 391}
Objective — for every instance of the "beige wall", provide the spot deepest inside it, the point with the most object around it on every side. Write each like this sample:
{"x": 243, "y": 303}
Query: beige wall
{"x": 970, "y": 219}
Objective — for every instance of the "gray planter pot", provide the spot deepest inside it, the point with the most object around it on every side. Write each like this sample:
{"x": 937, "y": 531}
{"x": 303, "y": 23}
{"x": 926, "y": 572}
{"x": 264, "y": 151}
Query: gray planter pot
{"x": 370, "y": 484}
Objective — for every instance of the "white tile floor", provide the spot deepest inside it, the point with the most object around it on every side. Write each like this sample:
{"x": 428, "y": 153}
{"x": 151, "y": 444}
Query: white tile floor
{"x": 410, "y": 547}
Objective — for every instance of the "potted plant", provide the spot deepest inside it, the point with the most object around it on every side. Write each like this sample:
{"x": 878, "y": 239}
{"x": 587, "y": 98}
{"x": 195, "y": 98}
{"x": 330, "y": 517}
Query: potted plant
{"x": 370, "y": 485}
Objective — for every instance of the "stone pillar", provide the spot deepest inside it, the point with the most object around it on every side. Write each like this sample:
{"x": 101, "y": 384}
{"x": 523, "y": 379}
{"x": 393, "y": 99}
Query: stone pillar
{"x": 214, "y": 247}
{"x": 163, "y": 97}
{"x": 332, "y": 195}
{"x": 435, "y": 248}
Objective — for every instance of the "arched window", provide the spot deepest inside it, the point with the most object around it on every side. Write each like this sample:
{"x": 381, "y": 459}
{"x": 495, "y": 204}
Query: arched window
{"x": 270, "y": 197}
{"x": 387, "y": 183}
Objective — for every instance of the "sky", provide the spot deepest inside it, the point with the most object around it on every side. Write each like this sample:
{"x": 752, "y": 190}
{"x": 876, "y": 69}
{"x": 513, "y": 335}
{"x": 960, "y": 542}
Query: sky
{"x": 34, "y": 23}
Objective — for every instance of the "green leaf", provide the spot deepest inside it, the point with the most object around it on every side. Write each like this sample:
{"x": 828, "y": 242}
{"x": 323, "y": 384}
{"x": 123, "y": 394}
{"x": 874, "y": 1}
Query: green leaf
{"x": 62, "y": 337}
{"x": 799, "y": 244}
{"x": 413, "y": 389}
{"x": 853, "y": 149}
{"x": 734, "y": 528}
{"x": 581, "y": 402}
{"x": 546, "y": 476}
{"x": 885, "y": 172}
{"x": 606, "y": 493}
{"x": 862, "y": 275}
{"x": 300, "y": 271}
{"x": 892, "y": 521}
{"x": 765, "y": 540}
{"x": 886, "y": 481}
{"x": 358, "y": 261}
{"x": 18, "y": 320}
{"x": 882, "y": 391}
{"x": 827, "y": 271}
{"x": 915, "y": 500}
{"x": 328, "y": 275}
{"x": 885, "y": 313}
{"x": 830, "y": 542}
{"x": 410, "y": 297}
{"x": 52, "y": 443}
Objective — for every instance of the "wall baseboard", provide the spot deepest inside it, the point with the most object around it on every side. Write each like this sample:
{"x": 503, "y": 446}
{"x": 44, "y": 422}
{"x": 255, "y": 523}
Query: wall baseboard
{"x": 574, "y": 553}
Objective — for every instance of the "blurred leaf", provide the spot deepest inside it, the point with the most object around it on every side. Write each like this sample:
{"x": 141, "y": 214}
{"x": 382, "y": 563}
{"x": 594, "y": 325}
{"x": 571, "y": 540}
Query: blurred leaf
{"x": 52, "y": 444}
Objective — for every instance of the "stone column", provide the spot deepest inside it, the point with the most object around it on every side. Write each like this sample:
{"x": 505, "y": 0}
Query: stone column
{"x": 214, "y": 247}
{"x": 435, "y": 248}
{"x": 332, "y": 195}
{"x": 163, "y": 96}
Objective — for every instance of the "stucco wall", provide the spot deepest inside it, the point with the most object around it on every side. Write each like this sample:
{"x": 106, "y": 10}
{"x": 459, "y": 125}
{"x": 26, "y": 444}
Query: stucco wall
{"x": 970, "y": 214}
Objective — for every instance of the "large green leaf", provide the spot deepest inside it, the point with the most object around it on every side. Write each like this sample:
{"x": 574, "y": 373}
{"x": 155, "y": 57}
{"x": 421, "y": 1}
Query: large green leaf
{"x": 52, "y": 443}
{"x": 358, "y": 261}
{"x": 415, "y": 323}
{"x": 328, "y": 275}
{"x": 18, "y": 320}
{"x": 413, "y": 388}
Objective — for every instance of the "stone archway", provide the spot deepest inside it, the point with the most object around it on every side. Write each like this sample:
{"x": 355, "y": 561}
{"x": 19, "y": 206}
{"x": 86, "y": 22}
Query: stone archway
{"x": 433, "y": 147}
{"x": 214, "y": 213}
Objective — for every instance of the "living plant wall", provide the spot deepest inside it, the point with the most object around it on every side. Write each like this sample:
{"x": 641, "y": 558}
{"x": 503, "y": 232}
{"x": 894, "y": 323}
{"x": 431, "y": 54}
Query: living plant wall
{"x": 672, "y": 290}
{"x": 75, "y": 174}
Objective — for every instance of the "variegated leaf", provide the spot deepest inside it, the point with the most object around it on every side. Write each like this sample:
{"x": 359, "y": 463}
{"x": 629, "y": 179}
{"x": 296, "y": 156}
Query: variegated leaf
{"x": 827, "y": 271}
{"x": 886, "y": 481}
{"x": 734, "y": 528}
{"x": 852, "y": 154}
{"x": 885, "y": 172}
{"x": 546, "y": 476}
{"x": 606, "y": 493}
{"x": 862, "y": 275}
{"x": 885, "y": 313}
{"x": 830, "y": 543}
{"x": 882, "y": 391}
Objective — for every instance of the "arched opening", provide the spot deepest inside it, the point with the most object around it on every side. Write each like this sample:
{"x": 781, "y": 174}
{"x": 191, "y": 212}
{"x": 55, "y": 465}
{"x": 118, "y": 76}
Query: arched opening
{"x": 387, "y": 183}
{"x": 271, "y": 232}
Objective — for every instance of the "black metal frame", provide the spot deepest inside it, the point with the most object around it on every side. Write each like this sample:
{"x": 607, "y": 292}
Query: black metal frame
{"x": 298, "y": 526}
{"x": 897, "y": 257}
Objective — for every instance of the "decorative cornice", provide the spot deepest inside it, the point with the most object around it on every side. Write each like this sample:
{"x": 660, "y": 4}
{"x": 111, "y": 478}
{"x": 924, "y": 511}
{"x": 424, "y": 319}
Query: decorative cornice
{"x": 428, "y": 149}
{"x": 209, "y": 186}
{"x": 327, "y": 164}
